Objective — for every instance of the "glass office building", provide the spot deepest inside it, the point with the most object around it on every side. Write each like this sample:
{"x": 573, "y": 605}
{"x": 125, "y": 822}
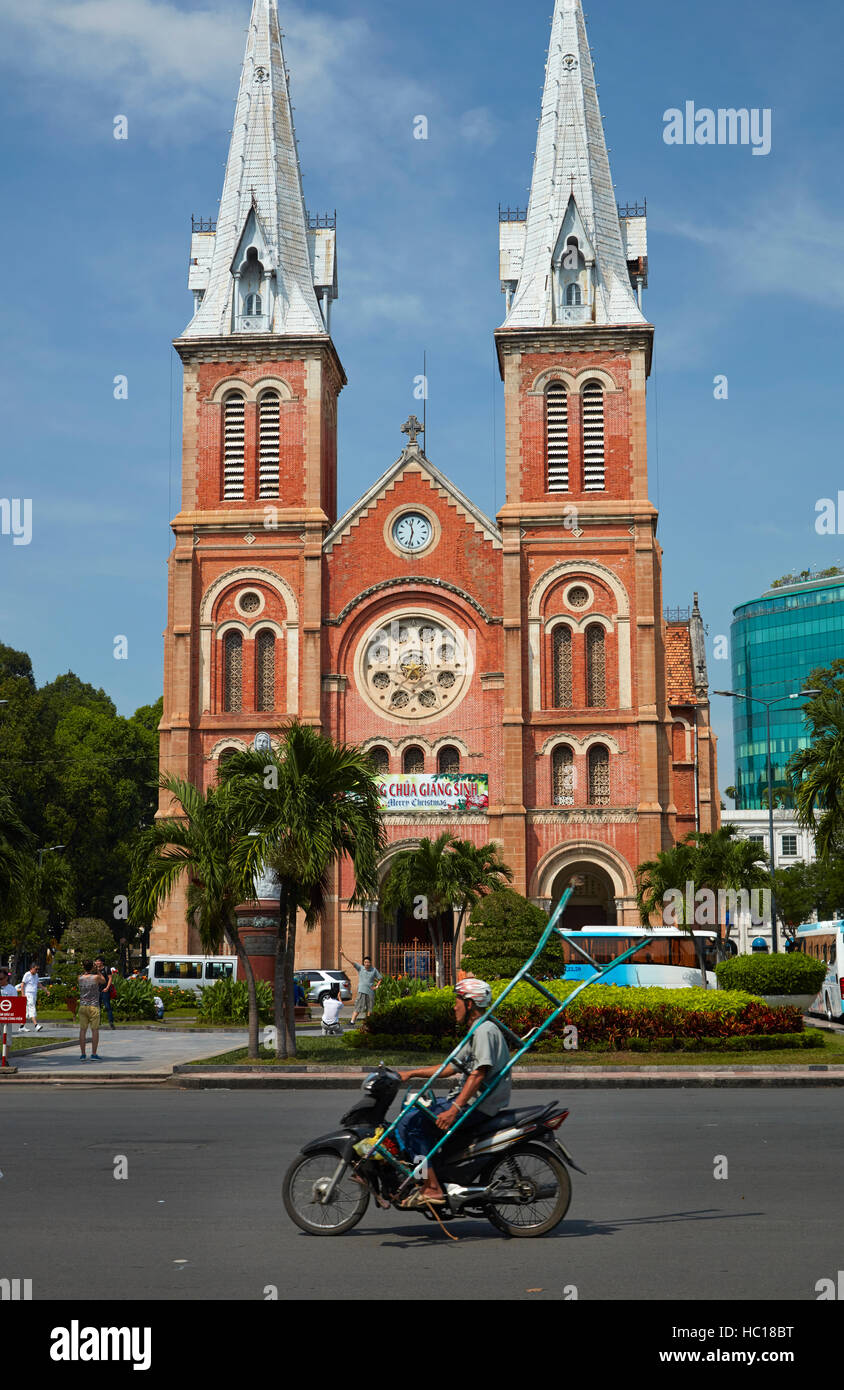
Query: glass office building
{"x": 777, "y": 641}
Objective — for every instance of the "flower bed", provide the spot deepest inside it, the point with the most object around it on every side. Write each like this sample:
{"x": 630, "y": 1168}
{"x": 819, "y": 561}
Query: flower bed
{"x": 604, "y": 1015}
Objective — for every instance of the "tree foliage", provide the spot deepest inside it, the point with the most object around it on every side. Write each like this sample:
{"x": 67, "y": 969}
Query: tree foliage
{"x": 503, "y": 931}
{"x": 78, "y": 775}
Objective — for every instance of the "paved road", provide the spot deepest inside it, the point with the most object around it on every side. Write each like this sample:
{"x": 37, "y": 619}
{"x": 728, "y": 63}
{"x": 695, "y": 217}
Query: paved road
{"x": 200, "y": 1215}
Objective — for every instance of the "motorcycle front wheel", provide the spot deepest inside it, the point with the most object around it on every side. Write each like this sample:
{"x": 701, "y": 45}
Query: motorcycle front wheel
{"x": 308, "y": 1178}
{"x": 535, "y": 1191}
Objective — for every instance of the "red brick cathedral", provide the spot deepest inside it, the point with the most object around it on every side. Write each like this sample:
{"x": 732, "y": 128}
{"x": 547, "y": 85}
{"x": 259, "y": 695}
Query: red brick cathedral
{"x": 514, "y": 679}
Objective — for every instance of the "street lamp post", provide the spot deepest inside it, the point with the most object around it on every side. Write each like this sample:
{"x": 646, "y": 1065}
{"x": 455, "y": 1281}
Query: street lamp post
{"x": 756, "y": 700}
{"x": 48, "y": 849}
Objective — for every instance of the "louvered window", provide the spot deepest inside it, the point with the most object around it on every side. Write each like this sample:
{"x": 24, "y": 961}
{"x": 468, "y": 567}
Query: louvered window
{"x": 594, "y": 471}
{"x": 557, "y": 433}
{"x": 414, "y": 760}
{"x": 233, "y": 673}
{"x": 234, "y": 449}
{"x": 599, "y": 776}
{"x": 563, "y": 776}
{"x": 380, "y": 760}
{"x": 448, "y": 760}
{"x": 265, "y": 658}
{"x": 562, "y": 667}
{"x": 596, "y": 667}
{"x": 268, "y": 444}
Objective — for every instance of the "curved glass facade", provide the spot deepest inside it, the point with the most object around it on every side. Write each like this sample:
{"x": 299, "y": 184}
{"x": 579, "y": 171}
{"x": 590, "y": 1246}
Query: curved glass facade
{"x": 777, "y": 641}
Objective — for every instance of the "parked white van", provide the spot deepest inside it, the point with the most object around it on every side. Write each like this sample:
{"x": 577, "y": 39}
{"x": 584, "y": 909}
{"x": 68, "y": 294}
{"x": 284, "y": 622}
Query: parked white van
{"x": 190, "y": 972}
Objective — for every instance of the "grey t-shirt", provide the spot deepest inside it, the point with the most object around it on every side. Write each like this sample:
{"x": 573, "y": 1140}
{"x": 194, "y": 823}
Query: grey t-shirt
{"x": 89, "y": 990}
{"x": 487, "y": 1048}
{"x": 366, "y": 978}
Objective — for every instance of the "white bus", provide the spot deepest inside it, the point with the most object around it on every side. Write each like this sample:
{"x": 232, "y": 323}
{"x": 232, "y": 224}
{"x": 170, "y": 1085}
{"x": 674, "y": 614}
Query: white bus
{"x": 668, "y": 958}
{"x": 824, "y": 941}
{"x": 190, "y": 972}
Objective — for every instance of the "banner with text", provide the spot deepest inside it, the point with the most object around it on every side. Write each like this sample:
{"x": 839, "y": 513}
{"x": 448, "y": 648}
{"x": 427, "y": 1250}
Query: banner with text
{"x": 419, "y": 791}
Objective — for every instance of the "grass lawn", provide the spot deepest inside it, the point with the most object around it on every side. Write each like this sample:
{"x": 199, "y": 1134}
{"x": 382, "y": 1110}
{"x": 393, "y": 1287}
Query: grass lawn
{"x": 20, "y": 1044}
{"x": 331, "y": 1052}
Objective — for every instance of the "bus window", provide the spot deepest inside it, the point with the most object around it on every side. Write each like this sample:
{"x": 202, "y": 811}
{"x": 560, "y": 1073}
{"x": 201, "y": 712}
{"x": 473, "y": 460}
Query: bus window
{"x": 219, "y": 970}
{"x": 178, "y": 970}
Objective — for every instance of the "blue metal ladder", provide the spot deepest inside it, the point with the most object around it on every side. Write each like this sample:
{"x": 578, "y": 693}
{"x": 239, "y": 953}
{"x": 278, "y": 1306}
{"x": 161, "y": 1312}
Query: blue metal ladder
{"x": 524, "y": 1044}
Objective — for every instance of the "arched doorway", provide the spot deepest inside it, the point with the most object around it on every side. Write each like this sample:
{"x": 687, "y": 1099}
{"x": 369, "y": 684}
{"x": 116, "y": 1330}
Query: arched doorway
{"x": 402, "y": 941}
{"x": 593, "y": 902}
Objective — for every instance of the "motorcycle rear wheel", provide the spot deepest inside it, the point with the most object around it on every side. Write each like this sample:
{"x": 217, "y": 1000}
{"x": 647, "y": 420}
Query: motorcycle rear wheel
{"x": 303, "y": 1180}
{"x": 546, "y": 1191}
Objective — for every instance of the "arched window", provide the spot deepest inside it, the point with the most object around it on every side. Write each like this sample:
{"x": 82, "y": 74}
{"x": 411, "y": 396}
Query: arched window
{"x": 380, "y": 760}
{"x": 594, "y": 468}
{"x": 557, "y": 437}
{"x": 562, "y": 667}
{"x": 599, "y": 776}
{"x": 223, "y": 758}
{"x": 596, "y": 667}
{"x": 573, "y": 295}
{"x": 269, "y": 408}
{"x": 562, "y": 772}
{"x": 265, "y": 672}
{"x": 448, "y": 760}
{"x": 234, "y": 444}
{"x": 251, "y": 286}
{"x": 233, "y": 673}
{"x": 413, "y": 760}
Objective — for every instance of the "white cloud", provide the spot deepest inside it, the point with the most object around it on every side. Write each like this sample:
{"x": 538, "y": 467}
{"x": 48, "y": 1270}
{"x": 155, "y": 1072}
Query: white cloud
{"x": 166, "y": 62}
{"x": 479, "y": 127}
{"x": 790, "y": 246}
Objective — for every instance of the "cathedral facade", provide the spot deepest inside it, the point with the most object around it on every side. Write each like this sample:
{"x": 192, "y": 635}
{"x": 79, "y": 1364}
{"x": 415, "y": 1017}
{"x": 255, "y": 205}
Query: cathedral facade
{"x": 515, "y": 679}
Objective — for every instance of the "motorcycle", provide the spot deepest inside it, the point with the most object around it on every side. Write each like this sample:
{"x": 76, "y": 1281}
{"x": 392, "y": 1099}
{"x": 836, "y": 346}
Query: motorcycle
{"x": 511, "y": 1170}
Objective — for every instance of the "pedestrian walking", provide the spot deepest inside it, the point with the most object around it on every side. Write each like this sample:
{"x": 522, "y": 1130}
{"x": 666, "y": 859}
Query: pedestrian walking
{"x": 108, "y": 992}
{"x": 331, "y": 1006}
{"x": 90, "y": 985}
{"x": 368, "y": 981}
{"x": 29, "y": 989}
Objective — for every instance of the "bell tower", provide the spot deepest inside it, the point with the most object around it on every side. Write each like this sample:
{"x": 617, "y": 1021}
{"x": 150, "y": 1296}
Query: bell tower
{"x": 585, "y": 701}
{"x": 259, "y": 462}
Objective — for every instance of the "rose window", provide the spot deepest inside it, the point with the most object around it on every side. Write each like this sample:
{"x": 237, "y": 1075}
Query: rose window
{"x": 414, "y": 668}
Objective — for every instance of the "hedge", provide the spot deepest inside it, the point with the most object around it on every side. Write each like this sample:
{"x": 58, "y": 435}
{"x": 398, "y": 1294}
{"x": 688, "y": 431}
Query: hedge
{"x": 503, "y": 931}
{"x": 779, "y": 974}
{"x": 602, "y": 1014}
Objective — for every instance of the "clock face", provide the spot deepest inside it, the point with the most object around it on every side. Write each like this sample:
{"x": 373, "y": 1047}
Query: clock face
{"x": 412, "y": 531}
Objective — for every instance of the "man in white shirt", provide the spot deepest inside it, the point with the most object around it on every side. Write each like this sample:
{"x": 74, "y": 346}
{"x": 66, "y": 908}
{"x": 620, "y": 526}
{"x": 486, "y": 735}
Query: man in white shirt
{"x": 29, "y": 989}
{"x": 331, "y": 1006}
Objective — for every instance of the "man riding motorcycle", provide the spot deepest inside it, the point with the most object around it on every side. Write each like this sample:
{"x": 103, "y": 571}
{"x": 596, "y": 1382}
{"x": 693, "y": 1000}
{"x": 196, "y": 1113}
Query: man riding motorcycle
{"x": 479, "y": 1062}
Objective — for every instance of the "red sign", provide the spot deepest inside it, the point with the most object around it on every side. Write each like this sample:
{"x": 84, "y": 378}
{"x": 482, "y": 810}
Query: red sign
{"x": 12, "y": 1010}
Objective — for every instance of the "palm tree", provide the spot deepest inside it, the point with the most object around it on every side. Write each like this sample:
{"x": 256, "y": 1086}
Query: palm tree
{"x": 309, "y": 802}
{"x": 661, "y": 879}
{"x": 423, "y": 880}
{"x": 207, "y": 843}
{"x": 816, "y": 773}
{"x": 724, "y": 860}
{"x": 439, "y": 876}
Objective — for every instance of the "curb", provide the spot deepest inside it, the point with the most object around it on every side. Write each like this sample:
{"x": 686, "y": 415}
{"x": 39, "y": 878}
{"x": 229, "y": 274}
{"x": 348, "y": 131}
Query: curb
{"x": 187, "y": 1077}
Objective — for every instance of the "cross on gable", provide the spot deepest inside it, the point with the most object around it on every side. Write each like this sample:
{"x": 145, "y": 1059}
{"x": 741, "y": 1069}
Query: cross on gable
{"x": 413, "y": 428}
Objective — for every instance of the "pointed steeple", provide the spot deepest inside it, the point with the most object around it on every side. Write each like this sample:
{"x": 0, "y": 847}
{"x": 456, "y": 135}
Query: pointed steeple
{"x": 258, "y": 276}
{"x": 574, "y": 264}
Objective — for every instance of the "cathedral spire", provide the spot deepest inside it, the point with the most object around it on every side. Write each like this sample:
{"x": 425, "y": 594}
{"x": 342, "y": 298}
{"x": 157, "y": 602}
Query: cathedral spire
{"x": 574, "y": 266}
{"x": 256, "y": 273}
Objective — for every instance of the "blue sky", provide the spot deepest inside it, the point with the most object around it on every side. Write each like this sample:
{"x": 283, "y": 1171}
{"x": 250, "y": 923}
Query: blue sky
{"x": 746, "y": 274}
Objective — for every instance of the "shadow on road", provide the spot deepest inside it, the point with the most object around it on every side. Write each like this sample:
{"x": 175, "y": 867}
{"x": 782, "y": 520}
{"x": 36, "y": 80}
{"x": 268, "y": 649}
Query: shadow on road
{"x": 474, "y": 1230}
